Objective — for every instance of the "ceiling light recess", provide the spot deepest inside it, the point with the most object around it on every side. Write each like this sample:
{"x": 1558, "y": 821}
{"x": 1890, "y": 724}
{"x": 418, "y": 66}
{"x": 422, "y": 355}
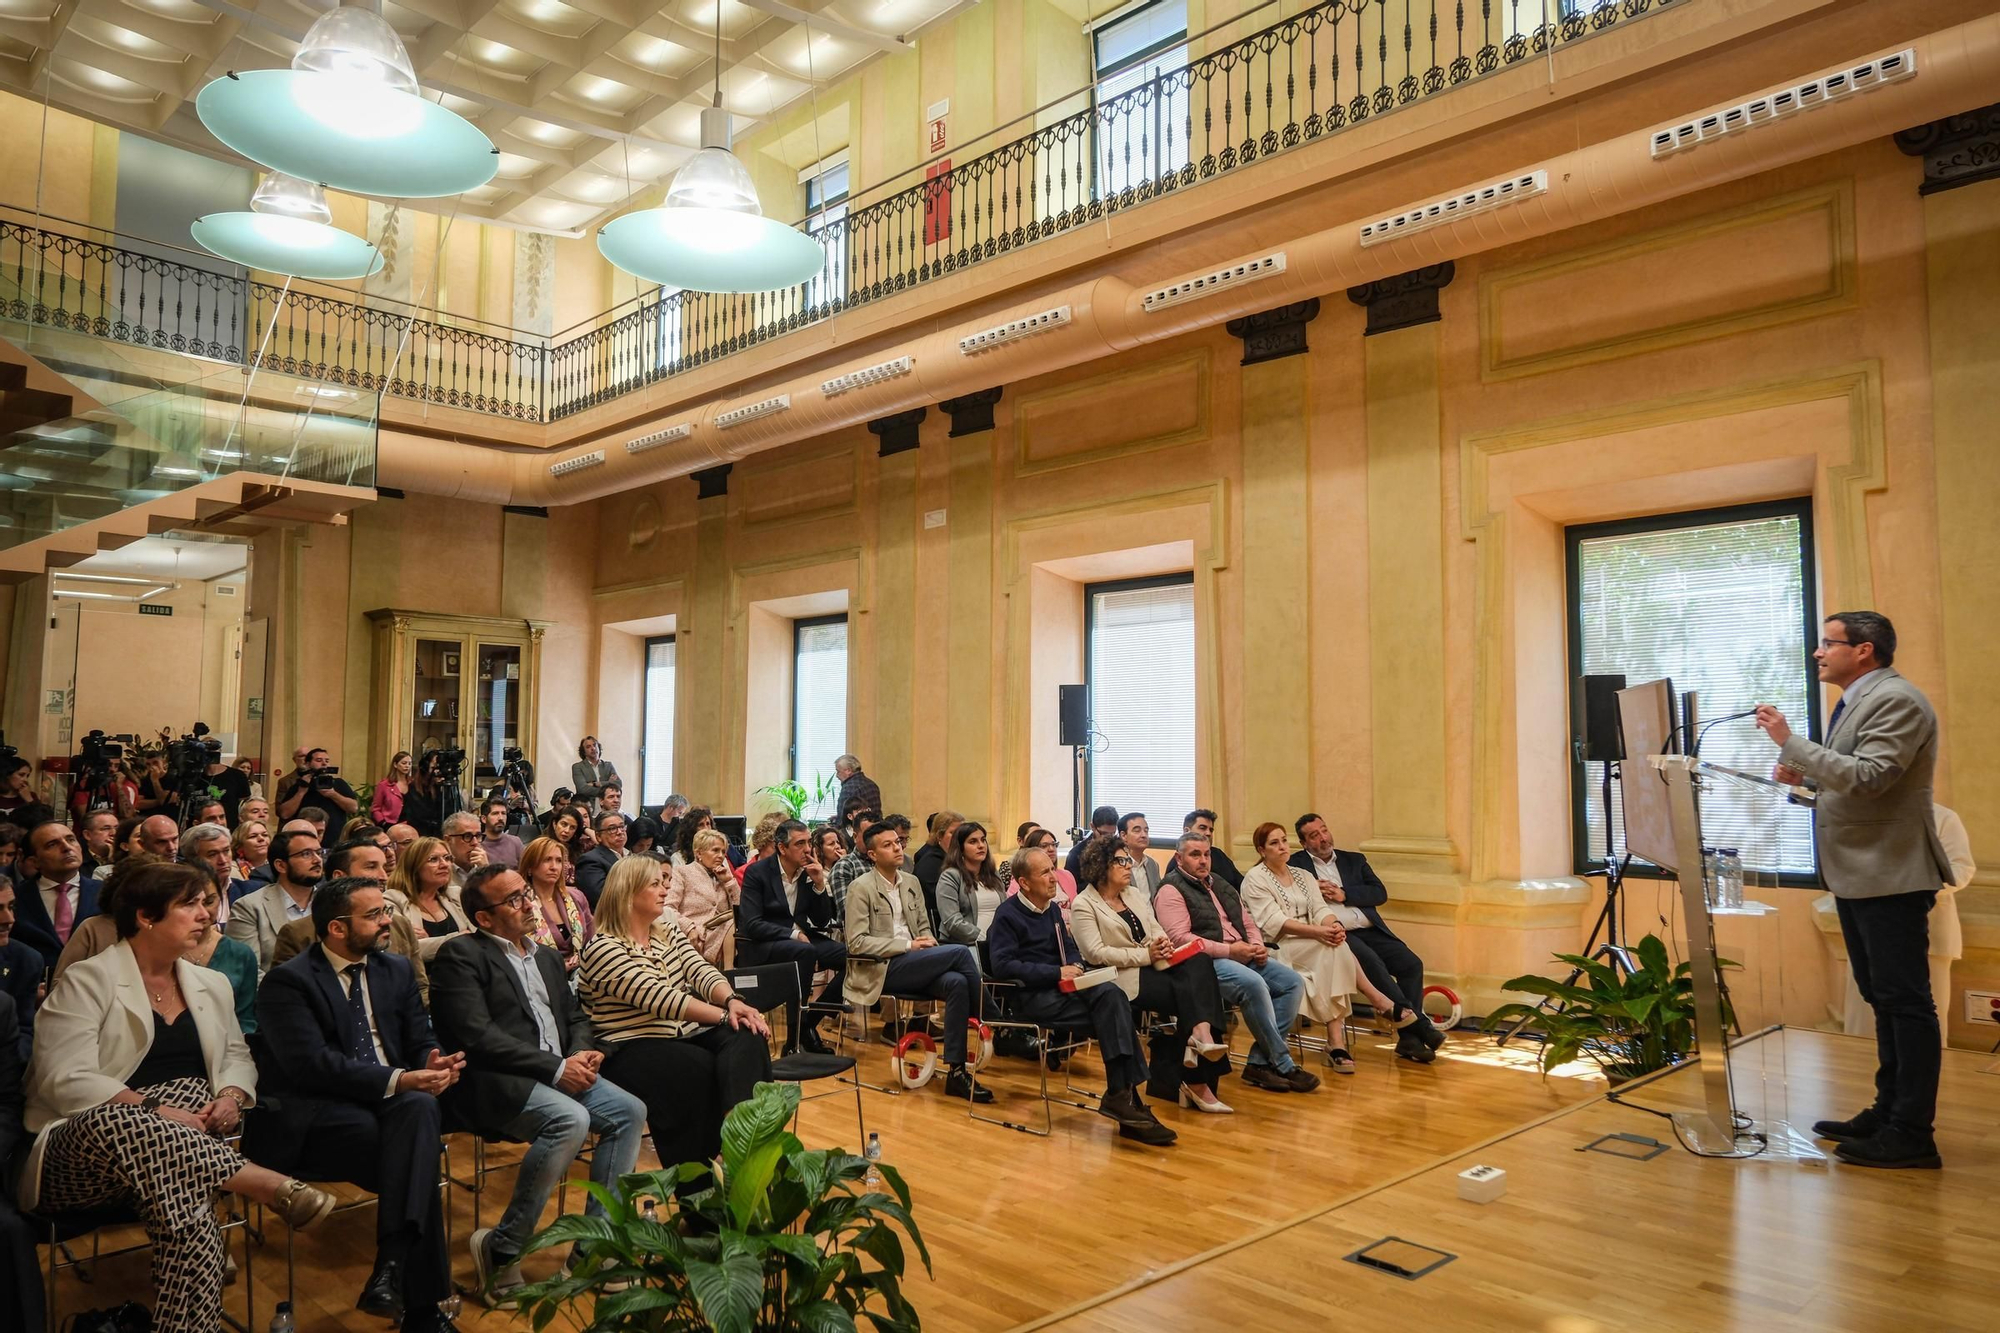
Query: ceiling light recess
{"x": 1207, "y": 284}
{"x": 1438, "y": 212}
{"x": 736, "y": 416}
{"x": 659, "y": 437}
{"x": 287, "y": 231}
{"x": 1861, "y": 78}
{"x": 348, "y": 114}
{"x": 1025, "y": 327}
{"x": 594, "y": 458}
{"x": 875, "y": 374}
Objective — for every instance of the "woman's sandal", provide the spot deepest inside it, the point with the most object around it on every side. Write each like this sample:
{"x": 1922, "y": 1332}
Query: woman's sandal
{"x": 301, "y": 1204}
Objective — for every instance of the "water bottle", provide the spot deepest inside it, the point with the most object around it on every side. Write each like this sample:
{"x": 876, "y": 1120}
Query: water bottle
{"x": 873, "y": 1152}
{"x": 281, "y": 1321}
{"x": 1708, "y": 873}
{"x": 1728, "y": 877}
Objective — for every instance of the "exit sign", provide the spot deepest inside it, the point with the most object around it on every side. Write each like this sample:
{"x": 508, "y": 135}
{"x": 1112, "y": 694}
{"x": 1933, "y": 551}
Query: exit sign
{"x": 154, "y": 609}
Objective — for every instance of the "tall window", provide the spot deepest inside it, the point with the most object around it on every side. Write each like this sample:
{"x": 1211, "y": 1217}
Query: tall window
{"x": 668, "y": 315}
{"x": 1717, "y": 602}
{"x": 1142, "y": 115}
{"x": 656, "y": 752}
{"x": 826, "y": 185}
{"x": 819, "y": 702}
{"x": 1139, "y": 650}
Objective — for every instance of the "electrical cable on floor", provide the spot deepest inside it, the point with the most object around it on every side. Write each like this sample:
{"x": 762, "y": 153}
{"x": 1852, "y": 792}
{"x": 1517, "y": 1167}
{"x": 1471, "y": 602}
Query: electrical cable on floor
{"x": 1740, "y": 1124}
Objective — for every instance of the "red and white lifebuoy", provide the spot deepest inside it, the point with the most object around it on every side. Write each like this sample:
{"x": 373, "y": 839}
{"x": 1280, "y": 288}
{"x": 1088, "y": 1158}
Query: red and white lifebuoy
{"x": 915, "y": 1059}
{"x": 1447, "y": 1021}
{"x": 978, "y": 1044}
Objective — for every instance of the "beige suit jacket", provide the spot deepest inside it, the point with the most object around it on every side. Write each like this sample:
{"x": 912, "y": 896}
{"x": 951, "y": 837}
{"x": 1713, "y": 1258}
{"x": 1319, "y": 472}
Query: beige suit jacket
{"x": 873, "y": 905}
{"x": 1106, "y": 941}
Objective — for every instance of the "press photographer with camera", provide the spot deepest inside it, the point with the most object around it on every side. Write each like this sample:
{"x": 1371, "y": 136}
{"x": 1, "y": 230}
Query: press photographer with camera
{"x": 318, "y": 786}
{"x": 433, "y": 792}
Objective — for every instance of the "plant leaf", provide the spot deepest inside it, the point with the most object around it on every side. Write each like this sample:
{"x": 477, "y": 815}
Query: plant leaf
{"x": 728, "y": 1292}
{"x": 823, "y": 1317}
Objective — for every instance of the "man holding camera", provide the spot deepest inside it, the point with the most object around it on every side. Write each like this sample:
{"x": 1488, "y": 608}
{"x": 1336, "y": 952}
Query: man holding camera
{"x": 318, "y": 785}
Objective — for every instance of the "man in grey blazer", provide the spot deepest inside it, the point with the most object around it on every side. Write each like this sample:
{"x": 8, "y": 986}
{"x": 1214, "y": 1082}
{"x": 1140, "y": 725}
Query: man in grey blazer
{"x": 1879, "y": 854}
{"x": 256, "y": 918}
{"x": 1137, "y": 836}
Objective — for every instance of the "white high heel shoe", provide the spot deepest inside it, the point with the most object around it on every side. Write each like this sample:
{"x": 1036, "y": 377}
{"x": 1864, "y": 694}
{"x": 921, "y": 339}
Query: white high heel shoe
{"x": 1213, "y": 1106}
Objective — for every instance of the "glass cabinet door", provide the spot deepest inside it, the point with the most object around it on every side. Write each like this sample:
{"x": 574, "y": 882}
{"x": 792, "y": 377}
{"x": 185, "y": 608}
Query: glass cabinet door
{"x": 496, "y": 725}
{"x": 439, "y": 672}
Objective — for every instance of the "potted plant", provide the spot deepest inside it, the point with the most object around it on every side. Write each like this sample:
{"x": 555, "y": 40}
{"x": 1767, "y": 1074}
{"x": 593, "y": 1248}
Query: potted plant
{"x": 797, "y": 798}
{"x": 1630, "y": 1022}
{"x": 785, "y": 1240}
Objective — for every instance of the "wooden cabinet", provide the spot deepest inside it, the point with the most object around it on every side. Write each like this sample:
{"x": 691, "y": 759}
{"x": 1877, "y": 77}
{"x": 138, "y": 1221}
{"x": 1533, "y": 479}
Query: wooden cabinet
{"x": 440, "y": 681}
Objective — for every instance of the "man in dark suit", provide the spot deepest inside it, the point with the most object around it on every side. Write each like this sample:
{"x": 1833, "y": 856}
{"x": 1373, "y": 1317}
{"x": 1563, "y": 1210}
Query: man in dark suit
{"x": 55, "y": 895}
{"x": 595, "y": 864}
{"x": 1352, "y": 888}
{"x": 786, "y": 915}
{"x": 21, "y": 969}
{"x": 530, "y": 1072}
{"x": 352, "y": 1077}
{"x": 17, "y": 1241}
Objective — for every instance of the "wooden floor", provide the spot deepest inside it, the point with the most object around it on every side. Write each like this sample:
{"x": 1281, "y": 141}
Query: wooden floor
{"x": 1249, "y": 1216}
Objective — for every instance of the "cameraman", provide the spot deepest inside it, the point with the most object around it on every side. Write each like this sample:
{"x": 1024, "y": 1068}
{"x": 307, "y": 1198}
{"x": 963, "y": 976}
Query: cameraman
{"x": 157, "y": 794}
{"x": 313, "y": 786}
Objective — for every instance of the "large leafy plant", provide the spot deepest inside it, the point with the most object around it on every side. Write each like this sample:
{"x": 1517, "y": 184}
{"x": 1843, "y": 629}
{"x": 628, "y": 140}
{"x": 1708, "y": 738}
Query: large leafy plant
{"x": 784, "y": 1239}
{"x": 797, "y": 798}
{"x": 1629, "y": 1022}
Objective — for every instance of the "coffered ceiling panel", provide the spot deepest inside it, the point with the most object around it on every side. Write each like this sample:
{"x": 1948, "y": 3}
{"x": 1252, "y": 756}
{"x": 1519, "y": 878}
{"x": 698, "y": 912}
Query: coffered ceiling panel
{"x": 587, "y": 100}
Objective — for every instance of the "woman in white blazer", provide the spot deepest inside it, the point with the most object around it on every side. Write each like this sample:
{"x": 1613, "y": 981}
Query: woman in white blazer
{"x": 1114, "y": 926}
{"x": 139, "y": 1071}
{"x": 1947, "y": 936}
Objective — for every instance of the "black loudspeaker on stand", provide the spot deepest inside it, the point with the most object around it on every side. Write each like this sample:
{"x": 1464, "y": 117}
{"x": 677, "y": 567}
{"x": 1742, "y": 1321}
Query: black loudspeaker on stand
{"x": 1074, "y": 710}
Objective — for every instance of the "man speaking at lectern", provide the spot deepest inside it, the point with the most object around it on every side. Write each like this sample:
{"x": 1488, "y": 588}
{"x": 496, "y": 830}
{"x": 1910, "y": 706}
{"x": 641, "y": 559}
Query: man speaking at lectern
{"x": 1880, "y": 856}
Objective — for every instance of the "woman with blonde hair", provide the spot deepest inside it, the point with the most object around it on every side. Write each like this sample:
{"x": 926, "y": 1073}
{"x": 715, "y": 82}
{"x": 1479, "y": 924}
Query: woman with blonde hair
{"x": 703, "y": 894}
{"x": 385, "y": 806}
{"x": 251, "y": 846}
{"x": 420, "y": 888}
{"x": 563, "y": 919}
{"x": 672, "y": 1030}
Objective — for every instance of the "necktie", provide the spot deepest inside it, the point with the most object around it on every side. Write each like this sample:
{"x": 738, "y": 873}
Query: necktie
{"x": 361, "y": 1043}
{"x": 65, "y": 913}
{"x": 1834, "y": 721}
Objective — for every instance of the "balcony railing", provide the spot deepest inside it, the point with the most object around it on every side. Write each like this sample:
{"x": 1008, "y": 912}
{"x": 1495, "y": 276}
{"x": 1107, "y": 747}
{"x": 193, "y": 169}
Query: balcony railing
{"x": 1296, "y": 81}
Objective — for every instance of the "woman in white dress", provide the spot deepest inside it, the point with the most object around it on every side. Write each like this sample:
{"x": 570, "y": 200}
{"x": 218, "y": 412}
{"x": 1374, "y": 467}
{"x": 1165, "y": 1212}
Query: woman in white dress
{"x": 1288, "y": 909}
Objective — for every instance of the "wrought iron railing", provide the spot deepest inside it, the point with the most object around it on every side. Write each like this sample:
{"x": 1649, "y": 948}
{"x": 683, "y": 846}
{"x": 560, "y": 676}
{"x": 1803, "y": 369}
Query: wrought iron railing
{"x": 1301, "y": 79}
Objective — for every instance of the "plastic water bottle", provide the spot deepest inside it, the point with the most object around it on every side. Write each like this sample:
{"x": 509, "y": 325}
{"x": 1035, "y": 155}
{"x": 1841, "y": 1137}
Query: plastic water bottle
{"x": 1708, "y": 874}
{"x": 281, "y": 1320}
{"x": 1728, "y": 878}
{"x": 873, "y": 1152}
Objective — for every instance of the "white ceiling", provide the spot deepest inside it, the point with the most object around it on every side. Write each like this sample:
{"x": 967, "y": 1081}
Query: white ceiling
{"x": 169, "y": 558}
{"x": 573, "y": 92}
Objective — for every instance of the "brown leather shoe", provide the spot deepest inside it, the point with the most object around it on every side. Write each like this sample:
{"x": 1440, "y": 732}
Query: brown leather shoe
{"x": 301, "y": 1204}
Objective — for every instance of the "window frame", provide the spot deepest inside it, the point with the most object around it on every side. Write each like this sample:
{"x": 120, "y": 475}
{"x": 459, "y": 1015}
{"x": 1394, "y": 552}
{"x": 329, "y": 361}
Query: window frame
{"x": 1582, "y": 789}
{"x": 1096, "y": 29}
{"x": 646, "y": 710}
{"x": 799, "y": 625}
{"x": 824, "y": 215}
{"x": 1091, "y": 591}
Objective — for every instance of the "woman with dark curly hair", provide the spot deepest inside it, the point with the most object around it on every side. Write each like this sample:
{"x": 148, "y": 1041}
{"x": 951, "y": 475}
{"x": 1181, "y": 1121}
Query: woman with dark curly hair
{"x": 1114, "y": 926}
{"x": 694, "y": 821}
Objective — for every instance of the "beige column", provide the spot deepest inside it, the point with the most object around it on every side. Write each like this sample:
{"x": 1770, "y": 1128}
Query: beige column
{"x": 971, "y": 777}
{"x": 890, "y": 755}
{"x": 703, "y": 696}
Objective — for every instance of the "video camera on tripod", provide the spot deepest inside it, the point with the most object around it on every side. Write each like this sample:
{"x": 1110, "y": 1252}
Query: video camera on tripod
{"x": 190, "y": 757}
{"x": 516, "y": 786}
{"x": 96, "y": 756}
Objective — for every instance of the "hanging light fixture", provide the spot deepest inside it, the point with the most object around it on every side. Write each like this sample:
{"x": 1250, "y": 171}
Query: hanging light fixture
{"x": 712, "y": 235}
{"x": 287, "y": 230}
{"x": 348, "y": 114}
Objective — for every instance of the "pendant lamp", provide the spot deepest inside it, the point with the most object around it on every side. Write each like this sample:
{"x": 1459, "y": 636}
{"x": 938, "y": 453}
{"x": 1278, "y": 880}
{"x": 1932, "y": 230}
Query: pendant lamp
{"x": 348, "y": 115}
{"x": 287, "y": 231}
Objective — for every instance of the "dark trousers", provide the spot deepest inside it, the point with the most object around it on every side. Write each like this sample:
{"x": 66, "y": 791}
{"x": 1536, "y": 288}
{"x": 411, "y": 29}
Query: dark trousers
{"x": 1106, "y": 1013}
{"x": 689, "y": 1084}
{"x": 945, "y": 972}
{"x": 1189, "y": 994}
{"x": 1888, "y": 946}
{"x": 19, "y": 1265}
{"x": 390, "y": 1148}
{"x": 1391, "y": 964}
{"x": 809, "y": 956}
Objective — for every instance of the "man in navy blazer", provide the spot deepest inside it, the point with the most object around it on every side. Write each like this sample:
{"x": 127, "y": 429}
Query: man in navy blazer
{"x": 786, "y": 915}
{"x": 351, "y": 1078}
{"x": 53, "y": 871}
{"x": 1350, "y": 885}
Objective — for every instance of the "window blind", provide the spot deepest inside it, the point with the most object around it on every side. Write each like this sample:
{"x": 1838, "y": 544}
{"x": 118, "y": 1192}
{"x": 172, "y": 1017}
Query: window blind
{"x": 819, "y": 703}
{"x": 1718, "y": 608}
{"x": 1142, "y": 704}
{"x": 1141, "y": 138}
{"x": 657, "y": 779}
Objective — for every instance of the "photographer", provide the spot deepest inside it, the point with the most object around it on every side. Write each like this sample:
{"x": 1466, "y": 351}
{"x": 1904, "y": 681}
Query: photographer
{"x": 229, "y": 784}
{"x": 318, "y": 786}
{"x": 423, "y": 803}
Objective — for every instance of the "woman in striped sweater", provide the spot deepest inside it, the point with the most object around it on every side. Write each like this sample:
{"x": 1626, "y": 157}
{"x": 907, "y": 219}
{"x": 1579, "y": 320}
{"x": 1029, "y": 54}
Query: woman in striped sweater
{"x": 673, "y": 1032}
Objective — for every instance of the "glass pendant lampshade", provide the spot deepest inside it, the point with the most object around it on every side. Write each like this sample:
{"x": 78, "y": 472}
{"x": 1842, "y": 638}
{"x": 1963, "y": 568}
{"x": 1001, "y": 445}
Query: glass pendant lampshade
{"x": 348, "y": 115}
{"x": 711, "y": 235}
{"x": 286, "y": 231}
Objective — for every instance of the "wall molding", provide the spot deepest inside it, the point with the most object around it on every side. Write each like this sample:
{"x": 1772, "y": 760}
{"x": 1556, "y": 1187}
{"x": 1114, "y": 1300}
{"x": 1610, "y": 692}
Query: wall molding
{"x": 1084, "y": 393}
{"x": 758, "y": 472}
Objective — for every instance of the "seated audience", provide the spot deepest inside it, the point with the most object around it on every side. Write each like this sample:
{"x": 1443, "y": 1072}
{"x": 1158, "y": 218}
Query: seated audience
{"x": 1224, "y": 869}
{"x": 98, "y": 831}
{"x": 969, "y": 889}
{"x": 358, "y": 860}
{"x": 501, "y": 847}
{"x": 461, "y": 839}
{"x": 98, "y": 933}
{"x": 131, "y": 1113}
{"x": 1137, "y": 836}
{"x": 21, "y": 969}
{"x": 703, "y": 895}
{"x": 530, "y": 1071}
{"x": 930, "y": 857}
{"x": 1192, "y": 904}
{"x": 1045, "y": 840}
{"x": 210, "y": 845}
{"x": 890, "y": 950}
{"x": 1031, "y": 947}
{"x": 673, "y": 1032}
{"x": 251, "y": 847}
{"x": 212, "y": 812}
{"x": 355, "y": 1074}
{"x": 18, "y": 1262}
{"x": 613, "y": 800}
{"x": 829, "y": 846}
{"x": 595, "y": 864}
{"x": 257, "y": 917}
{"x": 563, "y": 919}
{"x": 1103, "y": 824}
{"x": 160, "y": 835}
{"x": 694, "y": 821}
{"x": 1350, "y": 886}
{"x": 218, "y": 953}
{"x": 786, "y": 915}
{"x": 569, "y": 829}
{"x": 256, "y": 808}
{"x": 12, "y": 839}
{"x": 385, "y": 803}
{"x": 56, "y": 895}
{"x": 763, "y": 844}
{"x": 400, "y": 837}
{"x": 421, "y": 889}
{"x": 1285, "y": 904}
{"x": 1115, "y": 927}
{"x": 126, "y": 840}
{"x": 559, "y": 801}
{"x": 643, "y": 838}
